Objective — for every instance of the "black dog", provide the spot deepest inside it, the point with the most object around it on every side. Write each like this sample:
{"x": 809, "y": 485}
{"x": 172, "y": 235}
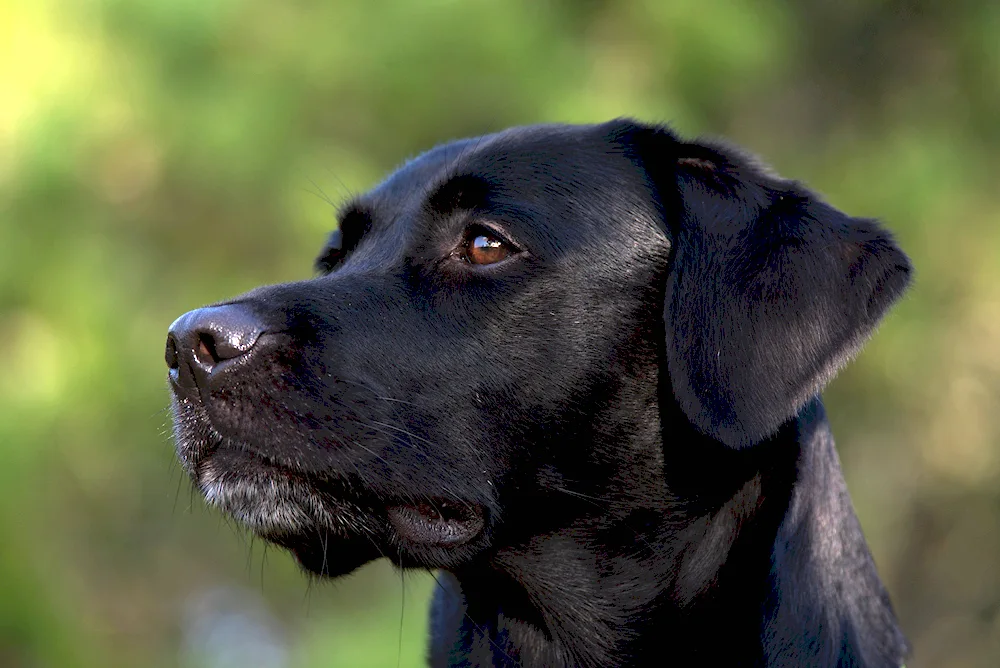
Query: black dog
{"x": 577, "y": 369}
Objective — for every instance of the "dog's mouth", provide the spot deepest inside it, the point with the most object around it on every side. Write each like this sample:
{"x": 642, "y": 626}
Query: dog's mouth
{"x": 437, "y": 523}
{"x": 273, "y": 501}
{"x": 331, "y": 522}
{"x": 276, "y": 503}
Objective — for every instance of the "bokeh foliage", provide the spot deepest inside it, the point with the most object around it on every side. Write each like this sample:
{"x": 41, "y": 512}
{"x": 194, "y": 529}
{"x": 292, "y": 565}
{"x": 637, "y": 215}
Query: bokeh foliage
{"x": 156, "y": 155}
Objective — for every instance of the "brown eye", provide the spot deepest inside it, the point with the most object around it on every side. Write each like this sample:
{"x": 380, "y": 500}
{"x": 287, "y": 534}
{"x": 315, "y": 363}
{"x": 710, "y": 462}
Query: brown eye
{"x": 486, "y": 249}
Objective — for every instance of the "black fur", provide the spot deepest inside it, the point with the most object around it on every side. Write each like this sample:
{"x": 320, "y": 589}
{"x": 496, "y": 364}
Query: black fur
{"x": 615, "y": 434}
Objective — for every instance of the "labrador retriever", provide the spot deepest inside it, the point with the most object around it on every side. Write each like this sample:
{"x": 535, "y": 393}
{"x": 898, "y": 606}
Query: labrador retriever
{"x": 576, "y": 370}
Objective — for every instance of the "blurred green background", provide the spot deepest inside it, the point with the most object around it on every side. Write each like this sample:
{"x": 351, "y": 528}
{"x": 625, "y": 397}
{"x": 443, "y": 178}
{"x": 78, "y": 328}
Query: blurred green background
{"x": 156, "y": 155}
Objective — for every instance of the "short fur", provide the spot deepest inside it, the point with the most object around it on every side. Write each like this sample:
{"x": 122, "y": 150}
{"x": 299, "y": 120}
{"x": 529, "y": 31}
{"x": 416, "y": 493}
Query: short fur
{"x": 625, "y": 412}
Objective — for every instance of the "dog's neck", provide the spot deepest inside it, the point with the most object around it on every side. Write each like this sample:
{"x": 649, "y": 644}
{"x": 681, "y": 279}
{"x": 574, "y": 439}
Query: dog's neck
{"x": 770, "y": 535}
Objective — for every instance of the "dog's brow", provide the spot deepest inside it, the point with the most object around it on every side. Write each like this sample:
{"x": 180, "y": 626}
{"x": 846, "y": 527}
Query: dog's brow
{"x": 462, "y": 191}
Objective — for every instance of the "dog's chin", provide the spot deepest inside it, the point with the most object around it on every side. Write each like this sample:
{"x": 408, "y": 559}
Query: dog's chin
{"x": 333, "y": 537}
{"x": 327, "y": 536}
{"x": 327, "y": 556}
{"x": 327, "y": 525}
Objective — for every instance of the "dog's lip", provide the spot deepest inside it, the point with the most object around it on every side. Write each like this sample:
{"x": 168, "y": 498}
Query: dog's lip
{"x": 437, "y": 522}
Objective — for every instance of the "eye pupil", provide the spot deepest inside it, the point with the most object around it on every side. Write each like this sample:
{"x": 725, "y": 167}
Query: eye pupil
{"x": 486, "y": 249}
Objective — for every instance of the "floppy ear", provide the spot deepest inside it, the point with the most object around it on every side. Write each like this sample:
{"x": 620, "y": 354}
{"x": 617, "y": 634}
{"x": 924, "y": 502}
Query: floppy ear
{"x": 770, "y": 290}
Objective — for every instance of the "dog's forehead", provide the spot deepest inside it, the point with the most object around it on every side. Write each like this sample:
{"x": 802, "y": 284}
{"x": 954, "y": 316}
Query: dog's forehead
{"x": 540, "y": 160}
{"x": 561, "y": 189}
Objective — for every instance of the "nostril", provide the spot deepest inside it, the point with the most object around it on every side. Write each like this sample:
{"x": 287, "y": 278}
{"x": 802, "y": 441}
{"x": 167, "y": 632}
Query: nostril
{"x": 170, "y": 355}
{"x": 226, "y": 342}
{"x": 200, "y": 341}
{"x": 205, "y": 350}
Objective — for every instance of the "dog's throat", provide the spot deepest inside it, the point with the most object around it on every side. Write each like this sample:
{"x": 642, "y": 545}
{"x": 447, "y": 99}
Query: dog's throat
{"x": 438, "y": 523}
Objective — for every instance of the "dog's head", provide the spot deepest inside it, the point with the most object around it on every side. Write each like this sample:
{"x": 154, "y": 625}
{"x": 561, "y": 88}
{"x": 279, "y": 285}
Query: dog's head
{"x": 503, "y": 319}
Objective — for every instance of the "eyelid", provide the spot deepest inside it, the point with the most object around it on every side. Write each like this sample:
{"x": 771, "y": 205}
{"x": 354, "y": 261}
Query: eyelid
{"x": 479, "y": 226}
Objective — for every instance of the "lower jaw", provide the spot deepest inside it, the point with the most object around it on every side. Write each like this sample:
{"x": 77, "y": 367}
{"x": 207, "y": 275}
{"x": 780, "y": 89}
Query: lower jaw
{"x": 343, "y": 535}
{"x": 421, "y": 536}
{"x": 343, "y": 556}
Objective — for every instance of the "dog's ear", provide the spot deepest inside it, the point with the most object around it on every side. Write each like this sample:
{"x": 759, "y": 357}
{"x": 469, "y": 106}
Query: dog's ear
{"x": 770, "y": 290}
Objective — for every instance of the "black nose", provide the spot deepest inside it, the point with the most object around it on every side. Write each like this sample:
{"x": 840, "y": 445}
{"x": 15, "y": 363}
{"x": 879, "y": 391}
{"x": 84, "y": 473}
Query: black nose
{"x": 202, "y": 340}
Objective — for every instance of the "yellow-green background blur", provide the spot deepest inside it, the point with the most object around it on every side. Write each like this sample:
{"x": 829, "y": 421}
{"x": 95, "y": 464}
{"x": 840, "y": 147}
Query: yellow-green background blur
{"x": 156, "y": 155}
